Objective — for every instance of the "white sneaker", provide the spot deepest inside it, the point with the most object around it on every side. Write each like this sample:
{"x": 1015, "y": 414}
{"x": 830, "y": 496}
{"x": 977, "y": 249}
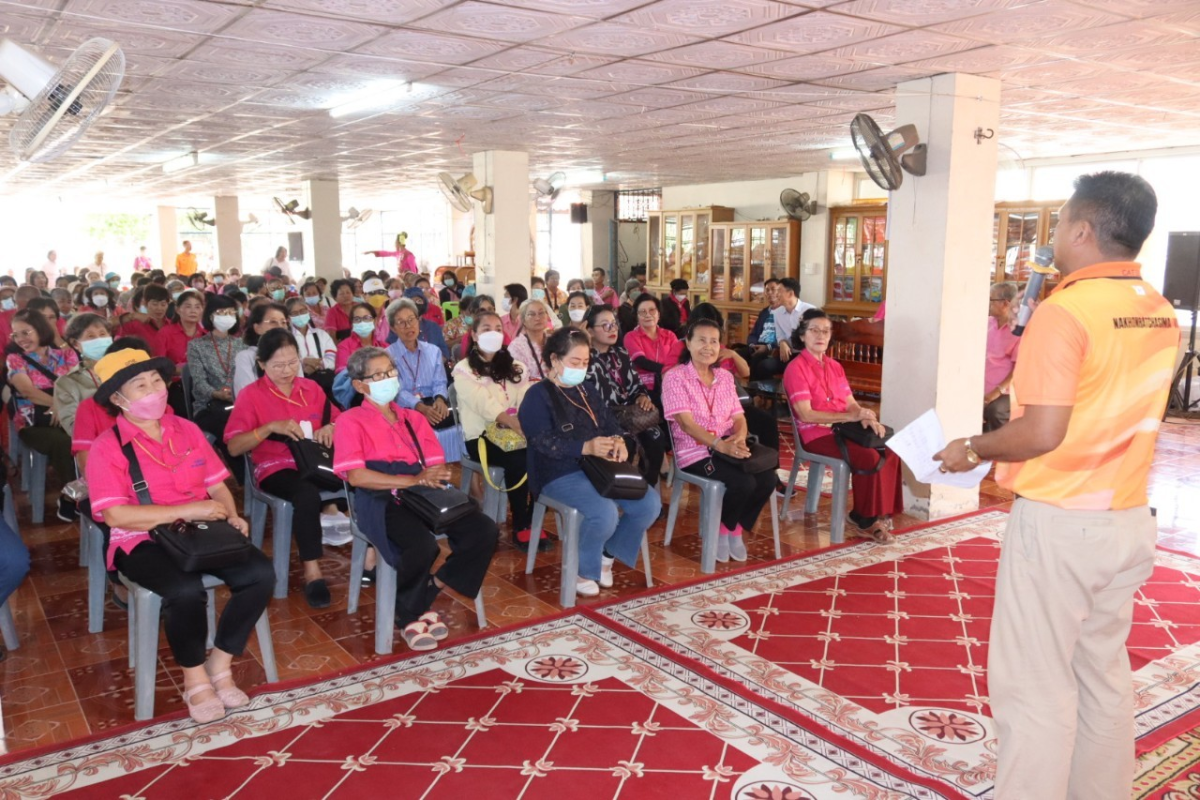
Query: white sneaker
{"x": 722, "y": 548}
{"x": 737, "y": 548}
{"x": 585, "y": 587}
{"x": 606, "y": 565}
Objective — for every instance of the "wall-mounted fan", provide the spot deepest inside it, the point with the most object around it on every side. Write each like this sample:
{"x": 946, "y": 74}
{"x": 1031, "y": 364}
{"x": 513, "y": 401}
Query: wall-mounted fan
{"x": 886, "y": 157}
{"x": 459, "y": 192}
{"x": 797, "y": 205}
{"x": 549, "y": 188}
{"x": 354, "y": 217}
{"x": 292, "y": 209}
{"x": 200, "y": 219}
{"x": 250, "y": 223}
{"x": 56, "y": 105}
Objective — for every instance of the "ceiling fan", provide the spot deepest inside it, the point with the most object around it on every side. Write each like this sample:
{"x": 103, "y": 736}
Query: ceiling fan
{"x": 292, "y": 209}
{"x": 56, "y": 107}
{"x": 460, "y": 192}
{"x": 886, "y": 157}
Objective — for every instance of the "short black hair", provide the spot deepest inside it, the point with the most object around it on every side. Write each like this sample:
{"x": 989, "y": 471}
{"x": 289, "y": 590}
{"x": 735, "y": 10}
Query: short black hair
{"x": 155, "y": 293}
{"x": 518, "y": 293}
{"x": 694, "y": 325}
{"x": 190, "y": 294}
{"x": 255, "y": 284}
{"x": 595, "y": 311}
{"x": 679, "y": 285}
{"x": 41, "y": 326}
{"x": 805, "y": 318}
{"x": 39, "y": 303}
{"x": 587, "y": 299}
{"x": 80, "y": 323}
{"x": 562, "y": 341}
{"x": 337, "y": 285}
{"x": 708, "y": 311}
{"x": 257, "y": 315}
{"x": 272, "y": 342}
{"x": 646, "y": 297}
{"x": 1119, "y": 206}
{"x": 218, "y": 302}
{"x": 791, "y": 284}
{"x": 769, "y": 281}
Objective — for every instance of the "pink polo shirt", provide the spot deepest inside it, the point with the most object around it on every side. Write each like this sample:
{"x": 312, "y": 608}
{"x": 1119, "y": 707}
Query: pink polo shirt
{"x": 180, "y": 469}
{"x": 262, "y": 402}
{"x": 665, "y": 349}
{"x": 822, "y": 383}
{"x": 1002, "y": 346}
{"x": 363, "y": 434}
{"x": 712, "y": 407}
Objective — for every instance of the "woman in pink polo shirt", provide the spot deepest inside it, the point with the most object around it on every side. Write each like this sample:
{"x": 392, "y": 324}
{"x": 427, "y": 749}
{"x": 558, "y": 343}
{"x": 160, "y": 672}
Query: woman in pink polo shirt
{"x": 186, "y": 480}
{"x": 706, "y": 416}
{"x": 381, "y": 448}
{"x": 652, "y": 349}
{"x": 819, "y": 394}
{"x": 283, "y": 404}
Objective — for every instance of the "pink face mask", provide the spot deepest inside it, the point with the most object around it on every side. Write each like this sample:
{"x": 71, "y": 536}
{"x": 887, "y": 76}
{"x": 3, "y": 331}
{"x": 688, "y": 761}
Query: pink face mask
{"x": 395, "y": 293}
{"x": 151, "y": 406}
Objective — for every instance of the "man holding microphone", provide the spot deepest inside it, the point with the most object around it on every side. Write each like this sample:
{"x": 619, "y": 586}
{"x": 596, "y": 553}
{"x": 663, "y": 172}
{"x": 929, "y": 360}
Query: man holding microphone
{"x": 1088, "y": 393}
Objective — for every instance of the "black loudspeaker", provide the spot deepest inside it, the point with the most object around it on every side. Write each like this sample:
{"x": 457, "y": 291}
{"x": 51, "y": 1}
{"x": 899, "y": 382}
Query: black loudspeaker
{"x": 579, "y": 213}
{"x": 295, "y": 246}
{"x": 1182, "y": 282}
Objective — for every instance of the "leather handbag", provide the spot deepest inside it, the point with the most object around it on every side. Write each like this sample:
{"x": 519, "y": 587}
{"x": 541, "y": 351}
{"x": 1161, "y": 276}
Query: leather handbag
{"x": 616, "y": 480}
{"x": 193, "y": 546}
{"x": 761, "y": 459}
{"x": 438, "y": 507}
{"x": 314, "y": 461}
{"x": 634, "y": 419}
{"x": 863, "y": 437}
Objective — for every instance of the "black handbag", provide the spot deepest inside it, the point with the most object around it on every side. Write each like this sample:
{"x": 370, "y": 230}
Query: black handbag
{"x": 616, "y": 480}
{"x": 193, "y": 546}
{"x": 761, "y": 458}
{"x": 438, "y": 507}
{"x": 863, "y": 437}
{"x": 634, "y": 419}
{"x": 43, "y": 416}
{"x": 314, "y": 461}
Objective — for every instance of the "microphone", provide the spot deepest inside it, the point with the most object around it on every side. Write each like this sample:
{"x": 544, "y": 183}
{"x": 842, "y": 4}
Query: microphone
{"x": 1042, "y": 265}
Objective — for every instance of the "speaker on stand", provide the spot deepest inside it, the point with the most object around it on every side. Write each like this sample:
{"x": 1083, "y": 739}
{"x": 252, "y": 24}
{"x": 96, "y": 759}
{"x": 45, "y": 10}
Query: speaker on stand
{"x": 1181, "y": 287}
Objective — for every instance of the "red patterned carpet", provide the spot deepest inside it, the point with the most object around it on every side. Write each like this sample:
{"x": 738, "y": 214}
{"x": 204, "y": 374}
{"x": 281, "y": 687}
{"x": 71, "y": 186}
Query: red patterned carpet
{"x": 853, "y": 672}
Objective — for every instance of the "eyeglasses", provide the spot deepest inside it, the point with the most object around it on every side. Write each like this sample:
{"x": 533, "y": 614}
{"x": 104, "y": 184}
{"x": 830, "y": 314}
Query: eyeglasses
{"x": 820, "y": 331}
{"x": 650, "y": 312}
{"x": 362, "y": 319}
{"x": 283, "y": 366}
{"x": 382, "y": 376}
{"x": 607, "y": 326}
{"x": 409, "y": 322}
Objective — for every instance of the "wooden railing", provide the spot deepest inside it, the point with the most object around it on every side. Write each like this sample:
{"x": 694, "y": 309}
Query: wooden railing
{"x": 858, "y": 347}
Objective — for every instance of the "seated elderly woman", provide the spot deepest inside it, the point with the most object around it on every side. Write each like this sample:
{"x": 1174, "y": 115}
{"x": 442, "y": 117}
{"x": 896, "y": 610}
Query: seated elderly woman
{"x": 186, "y": 481}
{"x": 526, "y": 347}
{"x": 611, "y": 371}
{"x": 381, "y": 448}
{"x": 576, "y": 310}
{"x": 490, "y": 388}
{"x": 264, "y": 316}
{"x": 819, "y": 395}
{"x": 362, "y": 334}
{"x": 707, "y": 422}
{"x": 423, "y": 383}
{"x": 211, "y": 361}
{"x": 564, "y": 420}
{"x": 652, "y": 349}
{"x": 89, "y": 335}
{"x": 283, "y": 404}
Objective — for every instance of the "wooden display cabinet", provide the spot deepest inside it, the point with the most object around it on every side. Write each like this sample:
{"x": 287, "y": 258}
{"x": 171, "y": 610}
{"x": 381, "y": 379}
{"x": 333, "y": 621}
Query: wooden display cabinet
{"x": 744, "y": 256}
{"x": 856, "y": 279}
{"x": 677, "y": 247}
{"x": 1018, "y": 229}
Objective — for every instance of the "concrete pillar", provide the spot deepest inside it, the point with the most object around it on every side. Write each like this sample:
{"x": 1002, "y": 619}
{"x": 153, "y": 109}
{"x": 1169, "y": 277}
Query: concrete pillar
{"x": 228, "y": 232}
{"x": 602, "y": 213}
{"x": 323, "y": 249}
{"x": 502, "y": 251}
{"x": 939, "y": 257}
{"x": 168, "y": 239}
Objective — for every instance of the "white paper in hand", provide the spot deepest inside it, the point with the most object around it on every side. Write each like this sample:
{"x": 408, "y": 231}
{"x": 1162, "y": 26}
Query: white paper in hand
{"x": 918, "y": 442}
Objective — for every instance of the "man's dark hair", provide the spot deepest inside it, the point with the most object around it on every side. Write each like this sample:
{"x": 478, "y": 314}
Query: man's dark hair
{"x": 792, "y": 285}
{"x": 155, "y": 294}
{"x": 1119, "y": 206}
{"x": 679, "y": 285}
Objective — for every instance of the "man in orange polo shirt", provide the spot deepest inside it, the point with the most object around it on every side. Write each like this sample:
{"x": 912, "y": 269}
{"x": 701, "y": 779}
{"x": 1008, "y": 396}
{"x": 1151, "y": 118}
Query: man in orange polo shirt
{"x": 1089, "y": 390}
{"x": 185, "y": 262}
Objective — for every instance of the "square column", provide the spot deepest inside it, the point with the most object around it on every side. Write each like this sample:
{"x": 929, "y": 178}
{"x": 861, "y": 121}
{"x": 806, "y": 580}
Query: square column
{"x": 939, "y": 268}
{"x": 325, "y": 242}
{"x": 168, "y": 239}
{"x": 228, "y": 233}
{"x": 502, "y": 248}
{"x": 598, "y": 235}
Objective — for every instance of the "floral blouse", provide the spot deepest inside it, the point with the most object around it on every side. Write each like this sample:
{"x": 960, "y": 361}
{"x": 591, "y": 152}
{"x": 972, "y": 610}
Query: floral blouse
{"x": 59, "y": 362}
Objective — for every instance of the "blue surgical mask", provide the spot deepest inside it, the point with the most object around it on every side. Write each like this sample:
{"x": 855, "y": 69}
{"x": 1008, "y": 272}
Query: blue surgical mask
{"x": 357, "y": 299}
{"x": 468, "y": 320}
{"x": 301, "y": 320}
{"x": 572, "y": 376}
{"x": 143, "y": 310}
{"x": 93, "y": 349}
{"x": 539, "y": 294}
{"x": 312, "y": 301}
{"x": 175, "y": 296}
{"x": 384, "y": 391}
{"x": 277, "y": 294}
{"x": 363, "y": 328}
{"x": 8, "y": 304}
{"x": 115, "y": 285}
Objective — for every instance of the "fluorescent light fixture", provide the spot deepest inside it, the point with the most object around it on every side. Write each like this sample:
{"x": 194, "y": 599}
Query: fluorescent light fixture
{"x": 182, "y": 162}
{"x": 844, "y": 154}
{"x": 379, "y": 97}
{"x": 581, "y": 176}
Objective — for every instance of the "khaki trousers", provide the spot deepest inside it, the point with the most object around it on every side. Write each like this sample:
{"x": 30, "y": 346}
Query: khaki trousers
{"x": 1058, "y": 670}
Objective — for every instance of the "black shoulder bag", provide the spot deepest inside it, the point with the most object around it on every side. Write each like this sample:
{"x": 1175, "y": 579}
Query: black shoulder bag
{"x": 314, "y": 461}
{"x": 438, "y": 507}
{"x": 863, "y": 437}
{"x": 193, "y": 546}
{"x": 616, "y": 480}
{"x": 43, "y": 417}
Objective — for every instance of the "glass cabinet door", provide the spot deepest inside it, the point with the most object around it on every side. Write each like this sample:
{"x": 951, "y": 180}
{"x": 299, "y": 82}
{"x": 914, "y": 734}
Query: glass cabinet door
{"x": 1021, "y": 230}
{"x": 777, "y": 253}
{"x": 875, "y": 239}
{"x": 670, "y": 248}
{"x": 654, "y": 253}
{"x": 735, "y": 328}
{"x": 737, "y": 264}
{"x": 758, "y": 261}
{"x": 720, "y": 244}
{"x": 700, "y": 249}
{"x": 687, "y": 246}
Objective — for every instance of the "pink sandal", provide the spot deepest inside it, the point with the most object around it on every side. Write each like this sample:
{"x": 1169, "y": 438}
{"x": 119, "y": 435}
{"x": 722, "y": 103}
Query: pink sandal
{"x": 417, "y": 636}
{"x": 231, "y": 697}
{"x": 436, "y": 625}
{"x": 210, "y": 710}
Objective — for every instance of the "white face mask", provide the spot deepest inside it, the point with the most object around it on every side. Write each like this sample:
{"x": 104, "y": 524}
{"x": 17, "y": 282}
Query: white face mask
{"x": 577, "y": 314}
{"x": 681, "y": 296}
{"x": 506, "y": 305}
{"x": 491, "y": 341}
{"x": 224, "y": 322}
{"x": 100, "y": 301}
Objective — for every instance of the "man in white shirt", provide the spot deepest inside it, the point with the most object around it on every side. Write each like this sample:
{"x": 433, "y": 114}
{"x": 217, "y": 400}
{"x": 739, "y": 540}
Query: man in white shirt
{"x": 787, "y": 316}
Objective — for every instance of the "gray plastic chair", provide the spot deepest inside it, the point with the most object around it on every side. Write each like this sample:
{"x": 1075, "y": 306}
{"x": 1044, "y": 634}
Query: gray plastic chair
{"x": 10, "y": 508}
{"x": 495, "y": 501}
{"x": 91, "y": 539}
{"x": 816, "y": 476}
{"x": 712, "y": 495}
{"x": 33, "y": 478}
{"x": 145, "y": 610}
{"x": 8, "y": 628}
{"x": 569, "y": 522}
{"x": 385, "y": 586}
{"x": 257, "y": 503}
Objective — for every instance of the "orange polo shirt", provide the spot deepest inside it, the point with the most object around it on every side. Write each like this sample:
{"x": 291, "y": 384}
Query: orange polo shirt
{"x": 1104, "y": 342}
{"x": 185, "y": 264}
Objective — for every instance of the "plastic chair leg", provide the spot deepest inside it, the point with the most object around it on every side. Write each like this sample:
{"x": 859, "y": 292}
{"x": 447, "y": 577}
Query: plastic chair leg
{"x": 258, "y": 521}
{"x": 791, "y": 486}
{"x": 816, "y": 477}
{"x": 775, "y": 525}
{"x": 568, "y": 527}
{"x": 145, "y": 645}
{"x": 10, "y": 508}
{"x": 38, "y": 464}
{"x": 266, "y": 647}
{"x": 385, "y": 607}
{"x": 480, "y": 613}
{"x": 358, "y": 564}
{"x": 710, "y": 522}
{"x": 97, "y": 579}
{"x": 673, "y": 510}
{"x": 535, "y": 535}
{"x": 837, "y": 524}
{"x": 281, "y": 546}
{"x": 8, "y": 627}
{"x": 646, "y": 559}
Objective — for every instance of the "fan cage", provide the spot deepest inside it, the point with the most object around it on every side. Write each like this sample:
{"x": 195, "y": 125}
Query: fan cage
{"x": 877, "y": 156}
{"x": 70, "y": 103}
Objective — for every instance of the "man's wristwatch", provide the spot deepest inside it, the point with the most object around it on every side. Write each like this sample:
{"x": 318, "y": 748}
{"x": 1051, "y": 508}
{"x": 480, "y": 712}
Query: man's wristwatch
{"x": 972, "y": 456}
